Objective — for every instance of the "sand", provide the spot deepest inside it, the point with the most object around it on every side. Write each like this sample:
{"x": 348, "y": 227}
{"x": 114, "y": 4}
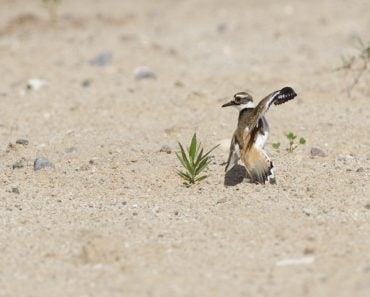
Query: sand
{"x": 112, "y": 218}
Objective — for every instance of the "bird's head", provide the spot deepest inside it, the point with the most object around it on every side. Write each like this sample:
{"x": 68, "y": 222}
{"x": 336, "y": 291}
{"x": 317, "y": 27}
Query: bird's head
{"x": 241, "y": 100}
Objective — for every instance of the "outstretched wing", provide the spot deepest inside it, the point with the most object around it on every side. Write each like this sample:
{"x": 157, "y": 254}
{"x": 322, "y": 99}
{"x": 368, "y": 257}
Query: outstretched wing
{"x": 234, "y": 154}
{"x": 277, "y": 97}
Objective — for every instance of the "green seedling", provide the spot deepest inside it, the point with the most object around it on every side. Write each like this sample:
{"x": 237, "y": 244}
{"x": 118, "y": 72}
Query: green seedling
{"x": 276, "y": 146}
{"x": 292, "y": 141}
{"x": 194, "y": 161}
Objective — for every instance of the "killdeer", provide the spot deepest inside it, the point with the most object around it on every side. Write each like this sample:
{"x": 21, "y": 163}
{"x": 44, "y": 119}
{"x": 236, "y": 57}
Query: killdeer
{"x": 251, "y": 134}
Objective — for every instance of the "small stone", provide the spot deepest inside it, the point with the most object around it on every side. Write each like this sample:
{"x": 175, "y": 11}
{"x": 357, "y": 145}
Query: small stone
{"x": 367, "y": 205}
{"x": 15, "y": 190}
{"x": 86, "y": 83}
{"x": 41, "y": 163}
{"x": 221, "y": 28}
{"x": 307, "y": 211}
{"x": 22, "y": 141}
{"x": 19, "y": 164}
{"x": 316, "y": 152}
{"x": 308, "y": 250}
{"x": 101, "y": 60}
{"x": 361, "y": 169}
{"x": 165, "y": 149}
{"x": 143, "y": 72}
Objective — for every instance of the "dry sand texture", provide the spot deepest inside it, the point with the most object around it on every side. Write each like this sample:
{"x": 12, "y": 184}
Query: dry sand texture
{"x": 112, "y": 218}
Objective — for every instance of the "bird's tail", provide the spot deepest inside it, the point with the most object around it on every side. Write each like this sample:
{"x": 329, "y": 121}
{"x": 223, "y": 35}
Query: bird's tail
{"x": 260, "y": 168}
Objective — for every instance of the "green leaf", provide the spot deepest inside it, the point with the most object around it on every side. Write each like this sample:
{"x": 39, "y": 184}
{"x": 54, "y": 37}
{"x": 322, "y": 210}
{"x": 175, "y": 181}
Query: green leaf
{"x": 201, "y": 178}
{"x": 184, "y": 175}
{"x": 276, "y": 145}
{"x": 291, "y": 136}
{"x": 193, "y": 147}
{"x": 302, "y": 140}
{"x": 188, "y": 165}
{"x": 202, "y": 165}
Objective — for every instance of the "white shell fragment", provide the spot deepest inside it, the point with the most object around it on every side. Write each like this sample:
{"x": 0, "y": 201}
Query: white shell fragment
{"x": 35, "y": 84}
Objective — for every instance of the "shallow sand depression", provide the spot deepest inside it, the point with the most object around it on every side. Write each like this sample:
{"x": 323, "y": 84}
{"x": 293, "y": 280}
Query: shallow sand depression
{"x": 116, "y": 81}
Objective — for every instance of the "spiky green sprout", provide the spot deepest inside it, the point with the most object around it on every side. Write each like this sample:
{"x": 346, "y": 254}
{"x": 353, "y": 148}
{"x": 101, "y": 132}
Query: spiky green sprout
{"x": 194, "y": 161}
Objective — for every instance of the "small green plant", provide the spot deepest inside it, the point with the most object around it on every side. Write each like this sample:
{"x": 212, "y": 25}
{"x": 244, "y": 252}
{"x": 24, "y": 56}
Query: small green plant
{"x": 276, "y": 146}
{"x": 52, "y": 6}
{"x": 292, "y": 141}
{"x": 194, "y": 161}
{"x": 357, "y": 64}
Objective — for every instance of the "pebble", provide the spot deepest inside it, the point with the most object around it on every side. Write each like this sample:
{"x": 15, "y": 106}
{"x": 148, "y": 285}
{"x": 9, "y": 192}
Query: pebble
{"x": 143, "y": 72}
{"x": 221, "y": 28}
{"x": 22, "y": 141}
{"x": 165, "y": 149}
{"x": 367, "y": 205}
{"x": 86, "y": 83}
{"x": 316, "y": 152}
{"x": 41, "y": 163}
{"x": 18, "y": 164}
{"x": 103, "y": 59}
{"x": 15, "y": 190}
{"x": 307, "y": 211}
{"x": 361, "y": 169}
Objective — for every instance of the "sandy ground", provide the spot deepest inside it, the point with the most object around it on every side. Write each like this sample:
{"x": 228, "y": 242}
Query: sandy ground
{"x": 112, "y": 218}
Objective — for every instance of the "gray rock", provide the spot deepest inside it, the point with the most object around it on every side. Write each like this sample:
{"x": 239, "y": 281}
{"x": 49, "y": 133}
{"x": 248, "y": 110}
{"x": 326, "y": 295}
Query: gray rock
{"x": 316, "y": 152}
{"x": 41, "y": 163}
{"x": 103, "y": 59}
{"x": 22, "y": 141}
{"x": 165, "y": 149}
{"x": 143, "y": 72}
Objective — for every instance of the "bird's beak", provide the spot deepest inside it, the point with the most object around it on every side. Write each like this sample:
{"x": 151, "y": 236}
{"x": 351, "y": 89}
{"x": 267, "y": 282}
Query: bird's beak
{"x": 232, "y": 102}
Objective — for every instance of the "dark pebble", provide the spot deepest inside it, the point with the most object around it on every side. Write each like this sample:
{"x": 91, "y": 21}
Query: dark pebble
{"x": 41, "y": 163}
{"x": 22, "y": 141}
{"x": 361, "y": 169}
{"x": 316, "y": 152}
{"x": 367, "y": 205}
{"x": 165, "y": 149}
{"x": 86, "y": 83}
{"x": 15, "y": 190}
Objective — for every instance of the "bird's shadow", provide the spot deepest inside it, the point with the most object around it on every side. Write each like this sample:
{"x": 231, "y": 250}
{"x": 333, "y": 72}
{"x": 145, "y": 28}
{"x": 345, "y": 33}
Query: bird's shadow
{"x": 235, "y": 176}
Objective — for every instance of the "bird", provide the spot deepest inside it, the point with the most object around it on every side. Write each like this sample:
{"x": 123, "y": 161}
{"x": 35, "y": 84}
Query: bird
{"x": 251, "y": 134}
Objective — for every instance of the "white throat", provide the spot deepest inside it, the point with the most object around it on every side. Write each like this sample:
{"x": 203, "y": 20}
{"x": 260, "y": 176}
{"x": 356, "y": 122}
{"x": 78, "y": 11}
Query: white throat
{"x": 240, "y": 107}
